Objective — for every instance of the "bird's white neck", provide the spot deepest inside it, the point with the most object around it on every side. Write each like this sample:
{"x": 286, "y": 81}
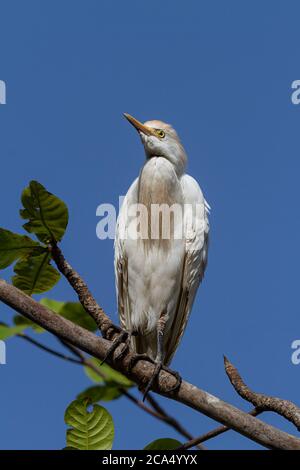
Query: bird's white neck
{"x": 158, "y": 183}
{"x": 158, "y": 187}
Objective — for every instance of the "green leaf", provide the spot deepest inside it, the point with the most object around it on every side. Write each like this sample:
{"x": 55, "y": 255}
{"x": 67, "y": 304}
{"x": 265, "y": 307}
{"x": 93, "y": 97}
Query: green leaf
{"x": 19, "y": 320}
{"x": 73, "y": 311}
{"x": 47, "y": 214}
{"x": 35, "y": 274}
{"x": 100, "y": 393}
{"x": 89, "y": 430}
{"x": 14, "y": 246}
{"x": 111, "y": 376}
{"x": 163, "y": 444}
{"x": 9, "y": 331}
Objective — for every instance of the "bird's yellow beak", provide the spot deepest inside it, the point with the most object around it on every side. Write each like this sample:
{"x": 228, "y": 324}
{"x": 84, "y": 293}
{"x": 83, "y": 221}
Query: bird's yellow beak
{"x": 139, "y": 126}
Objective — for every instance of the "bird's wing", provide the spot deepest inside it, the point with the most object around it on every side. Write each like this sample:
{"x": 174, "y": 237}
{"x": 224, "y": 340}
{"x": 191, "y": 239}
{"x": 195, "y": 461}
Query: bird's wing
{"x": 196, "y": 229}
{"x": 121, "y": 262}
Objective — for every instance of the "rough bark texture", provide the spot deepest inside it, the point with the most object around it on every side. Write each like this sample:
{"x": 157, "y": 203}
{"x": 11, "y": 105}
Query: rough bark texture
{"x": 285, "y": 408}
{"x": 141, "y": 373}
{"x": 85, "y": 297}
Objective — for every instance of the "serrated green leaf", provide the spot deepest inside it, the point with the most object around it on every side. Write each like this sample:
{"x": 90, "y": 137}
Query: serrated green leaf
{"x": 47, "y": 214}
{"x": 163, "y": 444}
{"x": 98, "y": 393}
{"x": 111, "y": 376}
{"x": 14, "y": 246}
{"x": 9, "y": 331}
{"x": 73, "y": 311}
{"x": 19, "y": 320}
{"x": 35, "y": 275}
{"x": 89, "y": 430}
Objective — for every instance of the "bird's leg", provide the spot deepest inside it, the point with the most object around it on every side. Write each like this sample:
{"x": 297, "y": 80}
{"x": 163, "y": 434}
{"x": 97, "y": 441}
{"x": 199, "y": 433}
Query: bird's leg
{"x": 161, "y": 325}
{"x": 159, "y": 365}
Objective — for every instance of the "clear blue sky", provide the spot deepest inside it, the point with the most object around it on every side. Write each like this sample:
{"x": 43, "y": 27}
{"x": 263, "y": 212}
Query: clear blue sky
{"x": 220, "y": 72}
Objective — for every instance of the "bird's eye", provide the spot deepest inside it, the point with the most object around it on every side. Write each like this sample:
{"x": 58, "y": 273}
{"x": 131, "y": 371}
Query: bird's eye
{"x": 160, "y": 133}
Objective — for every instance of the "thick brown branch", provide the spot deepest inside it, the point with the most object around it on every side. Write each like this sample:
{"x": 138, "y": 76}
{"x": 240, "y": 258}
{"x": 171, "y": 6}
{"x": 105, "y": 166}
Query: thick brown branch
{"x": 213, "y": 433}
{"x": 141, "y": 373}
{"x": 89, "y": 363}
{"x": 156, "y": 411}
{"x": 85, "y": 297}
{"x": 285, "y": 408}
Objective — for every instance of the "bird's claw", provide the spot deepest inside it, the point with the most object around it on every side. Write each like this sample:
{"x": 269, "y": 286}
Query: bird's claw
{"x": 177, "y": 376}
{"x": 158, "y": 367}
{"x": 121, "y": 338}
{"x": 126, "y": 346}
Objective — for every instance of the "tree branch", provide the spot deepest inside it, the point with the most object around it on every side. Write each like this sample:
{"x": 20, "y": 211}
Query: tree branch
{"x": 156, "y": 409}
{"x": 141, "y": 373}
{"x": 87, "y": 300}
{"x": 171, "y": 421}
{"x": 88, "y": 363}
{"x": 84, "y": 361}
{"x": 213, "y": 433}
{"x": 285, "y": 408}
{"x": 47, "y": 349}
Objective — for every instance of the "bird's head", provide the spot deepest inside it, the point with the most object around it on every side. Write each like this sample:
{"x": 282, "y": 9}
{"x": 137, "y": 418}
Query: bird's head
{"x": 161, "y": 140}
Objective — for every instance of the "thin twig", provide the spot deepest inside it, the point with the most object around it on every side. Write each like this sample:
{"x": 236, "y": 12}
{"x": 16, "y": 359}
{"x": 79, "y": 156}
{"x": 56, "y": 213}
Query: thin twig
{"x": 89, "y": 363}
{"x": 188, "y": 394}
{"x": 87, "y": 300}
{"x": 284, "y": 408}
{"x": 73, "y": 350}
{"x": 171, "y": 421}
{"x": 157, "y": 411}
{"x": 47, "y": 349}
{"x": 104, "y": 324}
{"x": 213, "y": 433}
{"x": 83, "y": 360}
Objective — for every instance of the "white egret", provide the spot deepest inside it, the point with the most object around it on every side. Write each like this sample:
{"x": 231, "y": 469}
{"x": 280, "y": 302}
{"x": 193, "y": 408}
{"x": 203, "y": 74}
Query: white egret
{"x": 157, "y": 277}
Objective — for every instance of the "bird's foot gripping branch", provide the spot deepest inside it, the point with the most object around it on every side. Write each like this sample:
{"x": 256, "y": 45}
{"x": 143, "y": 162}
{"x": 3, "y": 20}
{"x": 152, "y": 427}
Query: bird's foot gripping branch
{"x": 75, "y": 324}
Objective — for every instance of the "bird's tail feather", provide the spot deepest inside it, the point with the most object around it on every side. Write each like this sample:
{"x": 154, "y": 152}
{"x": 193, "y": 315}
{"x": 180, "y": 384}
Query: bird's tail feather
{"x": 145, "y": 344}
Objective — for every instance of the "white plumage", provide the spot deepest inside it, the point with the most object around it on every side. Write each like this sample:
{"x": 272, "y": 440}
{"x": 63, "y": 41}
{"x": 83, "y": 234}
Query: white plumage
{"x": 157, "y": 279}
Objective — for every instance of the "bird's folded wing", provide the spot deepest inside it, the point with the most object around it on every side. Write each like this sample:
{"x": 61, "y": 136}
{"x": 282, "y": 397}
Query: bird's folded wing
{"x": 196, "y": 229}
{"x": 121, "y": 265}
